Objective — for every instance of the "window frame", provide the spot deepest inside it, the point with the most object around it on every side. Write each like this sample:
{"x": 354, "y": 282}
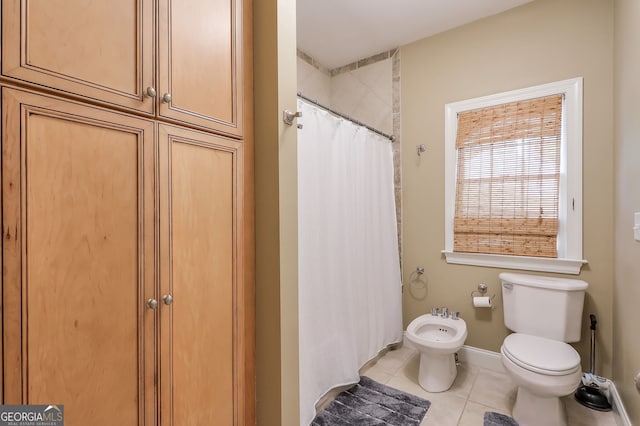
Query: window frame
{"x": 569, "y": 260}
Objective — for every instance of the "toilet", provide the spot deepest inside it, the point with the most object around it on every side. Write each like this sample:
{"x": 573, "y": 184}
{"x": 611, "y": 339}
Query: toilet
{"x": 545, "y": 315}
{"x": 437, "y": 338}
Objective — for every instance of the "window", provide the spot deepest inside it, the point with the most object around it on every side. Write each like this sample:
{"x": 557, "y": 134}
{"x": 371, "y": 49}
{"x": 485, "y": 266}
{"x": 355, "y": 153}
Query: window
{"x": 514, "y": 179}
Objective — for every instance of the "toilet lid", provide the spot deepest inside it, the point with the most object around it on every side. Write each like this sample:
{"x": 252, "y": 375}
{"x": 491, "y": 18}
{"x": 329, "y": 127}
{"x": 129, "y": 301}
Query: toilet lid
{"x": 541, "y": 355}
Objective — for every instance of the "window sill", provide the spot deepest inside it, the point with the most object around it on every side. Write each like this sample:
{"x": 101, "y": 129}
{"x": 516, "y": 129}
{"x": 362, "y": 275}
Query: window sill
{"x": 541, "y": 264}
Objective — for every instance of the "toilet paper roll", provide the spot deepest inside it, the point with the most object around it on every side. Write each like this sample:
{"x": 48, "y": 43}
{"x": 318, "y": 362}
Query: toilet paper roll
{"x": 482, "y": 302}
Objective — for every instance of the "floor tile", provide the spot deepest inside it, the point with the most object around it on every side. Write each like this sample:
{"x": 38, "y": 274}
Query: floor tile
{"x": 579, "y": 415}
{"x": 495, "y": 390}
{"x": 411, "y": 368}
{"x": 377, "y": 374}
{"x": 392, "y": 361}
{"x": 462, "y": 385}
{"x": 475, "y": 391}
{"x": 411, "y": 386}
{"x": 445, "y": 410}
{"x": 473, "y": 414}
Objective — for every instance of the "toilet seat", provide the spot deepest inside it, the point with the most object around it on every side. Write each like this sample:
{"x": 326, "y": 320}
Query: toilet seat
{"x": 540, "y": 355}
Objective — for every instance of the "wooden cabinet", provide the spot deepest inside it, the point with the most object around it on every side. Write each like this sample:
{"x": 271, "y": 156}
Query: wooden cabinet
{"x": 201, "y": 63}
{"x": 124, "y": 281}
{"x": 78, "y": 256}
{"x": 105, "y": 51}
{"x": 202, "y": 269}
{"x": 101, "y": 50}
{"x": 127, "y": 249}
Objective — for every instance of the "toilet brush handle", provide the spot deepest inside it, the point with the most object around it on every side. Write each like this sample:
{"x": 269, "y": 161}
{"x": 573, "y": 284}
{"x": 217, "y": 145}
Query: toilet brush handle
{"x": 593, "y": 352}
{"x": 594, "y": 321}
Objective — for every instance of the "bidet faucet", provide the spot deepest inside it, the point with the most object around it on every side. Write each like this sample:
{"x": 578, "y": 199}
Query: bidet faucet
{"x": 445, "y": 312}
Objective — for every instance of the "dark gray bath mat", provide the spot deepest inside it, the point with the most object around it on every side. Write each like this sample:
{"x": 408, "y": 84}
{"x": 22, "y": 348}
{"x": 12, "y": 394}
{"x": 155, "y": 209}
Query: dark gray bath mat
{"x": 372, "y": 403}
{"x": 497, "y": 419}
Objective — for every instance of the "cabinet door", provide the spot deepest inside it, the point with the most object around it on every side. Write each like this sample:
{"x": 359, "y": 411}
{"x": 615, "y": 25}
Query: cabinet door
{"x": 78, "y": 253}
{"x": 101, "y": 50}
{"x": 203, "y": 348}
{"x": 200, "y": 60}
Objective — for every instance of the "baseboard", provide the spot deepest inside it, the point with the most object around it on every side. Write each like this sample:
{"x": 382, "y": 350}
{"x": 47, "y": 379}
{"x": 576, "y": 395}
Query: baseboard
{"x": 481, "y": 358}
{"x": 622, "y": 418}
{"x": 492, "y": 361}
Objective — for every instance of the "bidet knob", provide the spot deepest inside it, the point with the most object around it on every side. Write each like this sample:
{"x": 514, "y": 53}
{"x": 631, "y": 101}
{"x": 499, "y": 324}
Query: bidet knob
{"x": 445, "y": 312}
{"x": 435, "y": 311}
{"x": 455, "y": 315}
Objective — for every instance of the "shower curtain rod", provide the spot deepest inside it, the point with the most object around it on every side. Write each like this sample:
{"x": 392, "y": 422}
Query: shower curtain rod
{"x": 392, "y": 138}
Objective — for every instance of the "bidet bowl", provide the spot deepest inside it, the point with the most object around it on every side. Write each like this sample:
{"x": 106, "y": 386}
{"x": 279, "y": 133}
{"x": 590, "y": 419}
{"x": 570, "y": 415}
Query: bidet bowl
{"x": 437, "y": 335}
{"x": 437, "y": 339}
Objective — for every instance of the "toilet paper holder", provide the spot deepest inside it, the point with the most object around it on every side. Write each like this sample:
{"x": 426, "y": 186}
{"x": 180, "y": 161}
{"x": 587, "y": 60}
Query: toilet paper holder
{"x": 481, "y": 292}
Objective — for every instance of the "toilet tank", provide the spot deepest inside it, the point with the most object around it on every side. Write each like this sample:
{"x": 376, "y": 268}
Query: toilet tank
{"x": 543, "y": 306}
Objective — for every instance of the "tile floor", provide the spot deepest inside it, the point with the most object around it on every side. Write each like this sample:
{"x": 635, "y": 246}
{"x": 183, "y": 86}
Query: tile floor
{"x": 474, "y": 391}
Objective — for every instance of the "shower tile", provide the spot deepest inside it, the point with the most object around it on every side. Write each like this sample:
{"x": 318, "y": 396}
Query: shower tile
{"x": 343, "y": 69}
{"x": 365, "y": 94}
{"x": 397, "y": 122}
{"x": 396, "y": 95}
{"x": 305, "y": 57}
{"x": 313, "y": 83}
{"x": 377, "y": 78}
{"x": 373, "y": 59}
{"x": 373, "y": 111}
{"x": 345, "y": 93}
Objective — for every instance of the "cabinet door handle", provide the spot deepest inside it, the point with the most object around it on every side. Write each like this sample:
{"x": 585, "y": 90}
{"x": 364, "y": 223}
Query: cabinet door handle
{"x": 167, "y": 299}
{"x": 166, "y": 98}
{"x": 150, "y": 92}
{"x": 152, "y": 303}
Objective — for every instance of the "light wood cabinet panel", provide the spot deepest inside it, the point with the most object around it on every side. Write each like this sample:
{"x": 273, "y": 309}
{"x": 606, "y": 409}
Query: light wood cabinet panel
{"x": 102, "y": 50}
{"x": 111, "y": 199}
{"x": 200, "y": 60}
{"x": 78, "y": 252}
{"x": 105, "y": 51}
{"x": 203, "y": 348}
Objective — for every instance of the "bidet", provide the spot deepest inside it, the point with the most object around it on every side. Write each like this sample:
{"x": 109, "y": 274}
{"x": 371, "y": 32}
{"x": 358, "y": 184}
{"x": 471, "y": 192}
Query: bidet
{"x": 437, "y": 338}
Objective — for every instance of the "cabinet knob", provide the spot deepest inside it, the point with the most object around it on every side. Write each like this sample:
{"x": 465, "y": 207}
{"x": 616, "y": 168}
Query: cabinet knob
{"x": 150, "y": 92}
{"x": 166, "y": 98}
{"x": 152, "y": 303}
{"x": 167, "y": 299}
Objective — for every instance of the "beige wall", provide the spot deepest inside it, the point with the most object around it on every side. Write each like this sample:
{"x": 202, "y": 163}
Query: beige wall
{"x": 541, "y": 42}
{"x": 276, "y": 215}
{"x": 499, "y": 53}
{"x": 626, "y": 289}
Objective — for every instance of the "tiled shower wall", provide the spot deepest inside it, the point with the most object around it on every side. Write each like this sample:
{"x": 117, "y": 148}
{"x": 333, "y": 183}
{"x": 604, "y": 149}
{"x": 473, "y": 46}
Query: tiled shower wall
{"x": 368, "y": 91}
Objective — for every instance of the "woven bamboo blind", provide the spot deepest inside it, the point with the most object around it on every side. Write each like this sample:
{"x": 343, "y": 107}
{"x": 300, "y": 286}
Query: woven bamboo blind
{"x": 508, "y": 178}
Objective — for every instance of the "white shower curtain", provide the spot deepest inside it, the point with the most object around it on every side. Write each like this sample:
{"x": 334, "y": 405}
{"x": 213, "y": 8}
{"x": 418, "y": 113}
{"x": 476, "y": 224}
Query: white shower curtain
{"x": 349, "y": 276}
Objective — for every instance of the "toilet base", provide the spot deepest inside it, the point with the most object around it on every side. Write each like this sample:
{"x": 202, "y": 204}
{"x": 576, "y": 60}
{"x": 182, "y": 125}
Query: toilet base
{"x": 533, "y": 410}
{"x": 437, "y": 372}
